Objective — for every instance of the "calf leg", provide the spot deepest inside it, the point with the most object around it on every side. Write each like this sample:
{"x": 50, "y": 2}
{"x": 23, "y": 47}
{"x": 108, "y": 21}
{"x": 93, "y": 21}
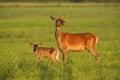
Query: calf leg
{"x": 53, "y": 58}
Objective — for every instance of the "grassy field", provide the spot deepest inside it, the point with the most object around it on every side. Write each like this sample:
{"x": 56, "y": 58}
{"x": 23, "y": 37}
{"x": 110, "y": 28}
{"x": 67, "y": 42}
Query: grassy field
{"x": 21, "y": 25}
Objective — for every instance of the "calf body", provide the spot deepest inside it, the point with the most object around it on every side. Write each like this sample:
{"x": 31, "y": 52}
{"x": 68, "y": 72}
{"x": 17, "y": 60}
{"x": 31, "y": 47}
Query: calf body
{"x": 44, "y": 52}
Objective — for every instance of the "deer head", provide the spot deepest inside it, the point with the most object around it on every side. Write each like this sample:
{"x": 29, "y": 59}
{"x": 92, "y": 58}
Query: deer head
{"x": 59, "y": 21}
{"x": 35, "y": 46}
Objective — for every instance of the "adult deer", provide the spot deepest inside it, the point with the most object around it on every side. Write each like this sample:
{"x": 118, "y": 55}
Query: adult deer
{"x": 73, "y": 41}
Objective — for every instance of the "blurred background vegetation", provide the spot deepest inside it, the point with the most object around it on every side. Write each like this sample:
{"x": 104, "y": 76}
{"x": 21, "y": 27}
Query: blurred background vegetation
{"x": 96, "y": 1}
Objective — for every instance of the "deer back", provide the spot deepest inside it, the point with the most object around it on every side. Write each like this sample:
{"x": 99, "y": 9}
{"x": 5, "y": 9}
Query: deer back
{"x": 44, "y": 51}
{"x": 79, "y": 41}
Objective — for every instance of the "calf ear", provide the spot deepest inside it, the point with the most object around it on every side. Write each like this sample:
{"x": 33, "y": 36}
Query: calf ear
{"x": 39, "y": 44}
{"x": 53, "y": 18}
{"x": 31, "y": 43}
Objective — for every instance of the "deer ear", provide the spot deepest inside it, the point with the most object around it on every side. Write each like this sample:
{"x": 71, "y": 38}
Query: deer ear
{"x": 39, "y": 44}
{"x": 62, "y": 17}
{"x": 53, "y": 18}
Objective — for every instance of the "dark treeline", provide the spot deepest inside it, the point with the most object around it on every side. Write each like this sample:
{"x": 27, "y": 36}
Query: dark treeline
{"x": 98, "y": 1}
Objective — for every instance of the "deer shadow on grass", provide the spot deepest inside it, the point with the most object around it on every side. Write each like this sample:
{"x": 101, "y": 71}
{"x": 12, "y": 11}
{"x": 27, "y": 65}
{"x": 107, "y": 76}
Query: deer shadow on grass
{"x": 60, "y": 71}
{"x": 66, "y": 70}
{"x": 46, "y": 70}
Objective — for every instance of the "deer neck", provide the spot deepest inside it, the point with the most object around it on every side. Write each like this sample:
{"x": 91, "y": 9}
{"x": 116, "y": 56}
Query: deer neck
{"x": 58, "y": 35}
{"x": 57, "y": 32}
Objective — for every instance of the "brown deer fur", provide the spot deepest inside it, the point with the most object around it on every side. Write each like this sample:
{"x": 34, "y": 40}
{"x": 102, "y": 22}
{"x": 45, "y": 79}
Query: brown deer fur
{"x": 44, "y": 52}
{"x": 74, "y": 41}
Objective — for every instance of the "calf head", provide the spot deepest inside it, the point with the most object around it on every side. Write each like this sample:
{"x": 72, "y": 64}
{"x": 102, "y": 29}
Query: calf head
{"x": 35, "y": 46}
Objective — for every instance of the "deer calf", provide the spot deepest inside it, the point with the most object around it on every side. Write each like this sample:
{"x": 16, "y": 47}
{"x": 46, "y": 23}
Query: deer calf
{"x": 44, "y": 52}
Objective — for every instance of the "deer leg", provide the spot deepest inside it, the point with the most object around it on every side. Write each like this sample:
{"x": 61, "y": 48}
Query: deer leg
{"x": 90, "y": 47}
{"x": 39, "y": 59}
{"x": 53, "y": 57}
{"x": 54, "y": 60}
{"x": 94, "y": 54}
{"x": 57, "y": 57}
{"x": 64, "y": 56}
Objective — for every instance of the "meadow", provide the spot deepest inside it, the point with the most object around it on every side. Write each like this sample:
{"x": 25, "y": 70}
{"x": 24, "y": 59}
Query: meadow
{"x": 20, "y": 25}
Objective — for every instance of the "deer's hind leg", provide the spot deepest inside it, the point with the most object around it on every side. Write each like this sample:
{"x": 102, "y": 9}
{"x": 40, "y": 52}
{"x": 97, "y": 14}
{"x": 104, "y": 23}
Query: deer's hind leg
{"x": 90, "y": 48}
{"x": 94, "y": 53}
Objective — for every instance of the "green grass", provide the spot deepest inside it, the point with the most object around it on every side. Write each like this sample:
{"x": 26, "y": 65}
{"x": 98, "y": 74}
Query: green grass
{"x": 21, "y": 25}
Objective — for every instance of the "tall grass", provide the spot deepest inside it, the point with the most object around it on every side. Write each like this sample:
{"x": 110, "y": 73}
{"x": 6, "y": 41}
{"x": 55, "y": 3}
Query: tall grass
{"x": 21, "y": 25}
